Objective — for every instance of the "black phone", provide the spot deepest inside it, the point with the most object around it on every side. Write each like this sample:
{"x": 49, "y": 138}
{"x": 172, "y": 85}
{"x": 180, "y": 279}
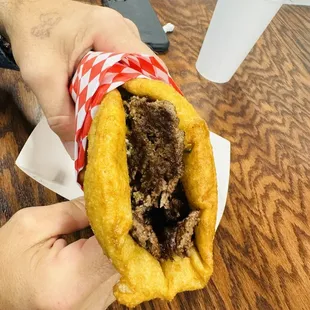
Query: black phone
{"x": 145, "y": 18}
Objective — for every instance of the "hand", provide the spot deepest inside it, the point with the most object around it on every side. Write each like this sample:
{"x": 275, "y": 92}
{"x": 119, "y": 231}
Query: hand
{"x": 49, "y": 38}
{"x": 39, "y": 270}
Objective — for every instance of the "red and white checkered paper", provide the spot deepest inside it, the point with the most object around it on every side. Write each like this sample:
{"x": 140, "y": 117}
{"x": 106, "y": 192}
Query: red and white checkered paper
{"x": 97, "y": 74}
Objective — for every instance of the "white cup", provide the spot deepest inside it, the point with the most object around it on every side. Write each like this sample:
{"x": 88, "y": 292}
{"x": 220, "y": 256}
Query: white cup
{"x": 235, "y": 27}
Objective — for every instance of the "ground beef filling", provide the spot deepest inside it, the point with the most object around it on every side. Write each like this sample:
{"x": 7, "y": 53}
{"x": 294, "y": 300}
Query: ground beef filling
{"x": 163, "y": 223}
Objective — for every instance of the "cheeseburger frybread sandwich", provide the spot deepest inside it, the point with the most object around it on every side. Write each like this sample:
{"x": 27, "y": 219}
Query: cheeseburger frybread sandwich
{"x": 150, "y": 191}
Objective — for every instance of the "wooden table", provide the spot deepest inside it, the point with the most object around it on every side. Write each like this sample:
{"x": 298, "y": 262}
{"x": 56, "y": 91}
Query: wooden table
{"x": 262, "y": 247}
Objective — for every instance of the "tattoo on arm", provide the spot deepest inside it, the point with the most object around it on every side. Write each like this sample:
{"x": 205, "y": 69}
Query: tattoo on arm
{"x": 47, "y": 22}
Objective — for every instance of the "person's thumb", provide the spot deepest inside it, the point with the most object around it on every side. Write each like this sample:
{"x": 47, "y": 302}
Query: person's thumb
{"x": 49, "y": 81}
{"x": 54, "y": 220}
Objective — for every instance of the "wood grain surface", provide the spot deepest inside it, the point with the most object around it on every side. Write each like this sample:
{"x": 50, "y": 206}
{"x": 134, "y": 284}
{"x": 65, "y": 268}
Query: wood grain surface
{"x": 262, "y": 247}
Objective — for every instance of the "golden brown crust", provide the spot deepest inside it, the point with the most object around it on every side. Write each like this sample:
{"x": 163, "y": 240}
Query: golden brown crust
{"x": 107, "y": 196}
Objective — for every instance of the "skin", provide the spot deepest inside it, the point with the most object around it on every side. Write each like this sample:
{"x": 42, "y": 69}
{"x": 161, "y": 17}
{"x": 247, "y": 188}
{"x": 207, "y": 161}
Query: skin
{"x": 38, "y": 269}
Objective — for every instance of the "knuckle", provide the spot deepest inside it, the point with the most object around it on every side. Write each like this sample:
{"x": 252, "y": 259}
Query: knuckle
{"x": 132, "y": 25}
{"x": 113, "y": 14}
{"x": 69, "y": 212}
{"x": 25, "y": 218}
{"x": 63, "y": 126}
{"x": 100, "y": 14}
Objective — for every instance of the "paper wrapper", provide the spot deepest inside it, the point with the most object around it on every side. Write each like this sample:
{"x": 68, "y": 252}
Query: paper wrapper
{"x": 97, "y": 74}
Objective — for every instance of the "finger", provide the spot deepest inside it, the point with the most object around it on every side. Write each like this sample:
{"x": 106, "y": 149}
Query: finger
{"x": 91, "y": 246}
{"x": 67, "y": 217}
{"x": 119, "y": 43}
{"x": 63, "y": 250}
{"x": 49, "y": 82}
{"x": 94, "y": 268}
{"x": 79, "y": 243}
{"x": 58, "y": 108}
{"x": 92, "y": 257}
{"x": 122, "y": 39}
{"x": 58, "y": 219}
{"x": 58, "y": 245}
{"x": 132, "y": 26}
{"x": 128, "y": 43}
{"x": 85, "y": 247}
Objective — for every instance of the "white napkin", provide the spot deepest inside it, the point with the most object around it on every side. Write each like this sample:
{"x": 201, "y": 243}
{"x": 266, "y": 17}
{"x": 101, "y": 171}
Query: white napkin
{"x": 45, "y": 159}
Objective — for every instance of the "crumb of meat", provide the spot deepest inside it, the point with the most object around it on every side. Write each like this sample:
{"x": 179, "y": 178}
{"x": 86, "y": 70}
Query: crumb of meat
{"x": 144, "y": 234}
{"x": 178, "y": 239}
{"x": 175, "y": 211}
{"x": 185, "y": 232}
{"x": 178, "y": 208}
